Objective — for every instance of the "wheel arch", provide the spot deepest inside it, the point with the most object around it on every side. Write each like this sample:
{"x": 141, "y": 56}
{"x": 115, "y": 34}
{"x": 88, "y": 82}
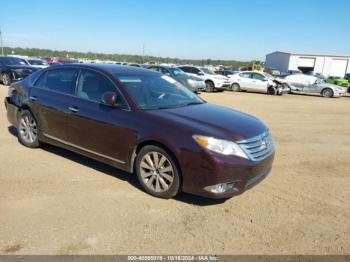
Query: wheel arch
{"x": 327, "y": 88}
{"x": 153, "y": 142}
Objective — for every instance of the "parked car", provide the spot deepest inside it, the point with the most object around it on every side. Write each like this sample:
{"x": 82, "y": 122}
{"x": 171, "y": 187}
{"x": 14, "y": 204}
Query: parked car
{"x": 305, "y": 84}
{"x": 252, "y": 81}
{"x": 227, "y": 73}
{"x": 191, "y": 82}
{"x": 140, "y": 121}
{"x": 13, "y": 69}
{"x": 337, "y": 81}
{"x": 212, "y": 81}
{"x": 35, "y": 62}
{"x": 347, "y": 77}
{"x": 134, "y": 64}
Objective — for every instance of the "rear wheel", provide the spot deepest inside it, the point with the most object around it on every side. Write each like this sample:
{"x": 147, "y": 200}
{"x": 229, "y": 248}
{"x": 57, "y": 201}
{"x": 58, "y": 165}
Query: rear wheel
{"x": 235, "y": 87}
{"x": 28, "y": 130}
{"x": 6, "y": 79}
{"x": 209, "y": 86}
{"x": 327, "y": 92}
{"x": 157, "y": 172}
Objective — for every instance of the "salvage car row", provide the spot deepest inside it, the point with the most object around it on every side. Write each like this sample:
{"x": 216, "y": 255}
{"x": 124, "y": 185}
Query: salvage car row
{"x": 197, "y": 78}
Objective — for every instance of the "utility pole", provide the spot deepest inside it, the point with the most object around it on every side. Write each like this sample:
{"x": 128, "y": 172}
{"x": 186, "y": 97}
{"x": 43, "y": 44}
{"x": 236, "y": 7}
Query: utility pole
{"x": 143, "y": 53}
{"x": 2, "y": 44}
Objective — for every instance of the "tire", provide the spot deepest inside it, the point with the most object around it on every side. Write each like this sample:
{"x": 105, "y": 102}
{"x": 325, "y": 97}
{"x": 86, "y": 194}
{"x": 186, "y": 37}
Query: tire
{"x": 6, "y": 79}
{"x": 271, "y": 91}
{"x": 160, "y": 180}
{"x": 235, "y": 87}
{"x": 327, "y": 92}
{"x": 28, "y": 130}
{"x": 209, "y": 86}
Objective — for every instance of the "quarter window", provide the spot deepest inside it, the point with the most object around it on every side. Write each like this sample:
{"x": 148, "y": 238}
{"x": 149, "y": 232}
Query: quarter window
{"x": 60, "y": 80}
{"x": 93, "y": 85}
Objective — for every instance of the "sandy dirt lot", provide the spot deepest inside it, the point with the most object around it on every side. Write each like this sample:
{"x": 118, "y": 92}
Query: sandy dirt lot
{"x": 53, "y": 201}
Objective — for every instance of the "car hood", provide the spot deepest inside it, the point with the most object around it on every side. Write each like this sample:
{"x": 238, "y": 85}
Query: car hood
{"x": 332, "y": 86}
{"x": 212, "y": 120}
{"x": 217, "y": 76}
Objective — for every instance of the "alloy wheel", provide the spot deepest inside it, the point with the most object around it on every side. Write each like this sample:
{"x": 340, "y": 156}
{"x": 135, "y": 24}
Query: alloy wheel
{"x": 157, "y": 172}
{"x": 28, "y": 129}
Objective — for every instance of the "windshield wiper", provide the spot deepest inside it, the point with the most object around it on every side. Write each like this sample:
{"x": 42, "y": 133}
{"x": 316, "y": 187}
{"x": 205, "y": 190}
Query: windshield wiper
{"x": 192, "y": 103}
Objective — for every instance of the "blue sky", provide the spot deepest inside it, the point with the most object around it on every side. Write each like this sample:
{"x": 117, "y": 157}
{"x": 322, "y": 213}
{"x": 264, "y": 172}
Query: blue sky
{"x": 199, "y": 29}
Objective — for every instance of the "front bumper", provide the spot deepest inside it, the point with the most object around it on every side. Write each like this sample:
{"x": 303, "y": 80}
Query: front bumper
{"x": 337, "y": 93}
{"x": 212, "y": 169}
{"x": 196, "y": 86}
{"x": 222, "y": 84}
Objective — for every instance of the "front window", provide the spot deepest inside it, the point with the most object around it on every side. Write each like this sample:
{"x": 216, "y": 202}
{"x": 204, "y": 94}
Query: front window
{"x": 157, "y": 92}
{"x": 207, "y": 71}
{"x": 9, "y": 61}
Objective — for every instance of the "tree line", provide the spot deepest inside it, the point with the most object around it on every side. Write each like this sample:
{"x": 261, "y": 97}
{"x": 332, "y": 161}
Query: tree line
{"x": 37, "y": 52}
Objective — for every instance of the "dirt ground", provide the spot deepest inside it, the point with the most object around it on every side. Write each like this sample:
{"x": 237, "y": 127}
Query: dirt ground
{"x": 53, "y": 201}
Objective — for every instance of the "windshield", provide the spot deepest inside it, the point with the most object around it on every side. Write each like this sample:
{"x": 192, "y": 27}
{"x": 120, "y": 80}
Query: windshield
{"x": 35, "y": 62}
{"x": 176, "y": 71}
{"x": 157, "y": 92}
{"x": 206, "y": 70}
{"x": 268, "y": 75}
{"x": 9, "y": 61}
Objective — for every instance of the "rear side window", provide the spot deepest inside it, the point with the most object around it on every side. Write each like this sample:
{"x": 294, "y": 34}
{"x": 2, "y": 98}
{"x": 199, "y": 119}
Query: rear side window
{"x": 245, "y": 75}
{"x": 186, "y": 69}
{"x": 60, "y": 80}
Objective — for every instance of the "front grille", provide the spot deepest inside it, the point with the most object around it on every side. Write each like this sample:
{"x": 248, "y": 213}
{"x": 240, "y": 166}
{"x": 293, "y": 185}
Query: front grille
{"x": 258, "y": 147}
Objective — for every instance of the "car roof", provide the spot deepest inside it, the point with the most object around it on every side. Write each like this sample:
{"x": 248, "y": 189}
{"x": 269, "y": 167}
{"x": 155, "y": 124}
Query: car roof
{"x": 110, "y": 68}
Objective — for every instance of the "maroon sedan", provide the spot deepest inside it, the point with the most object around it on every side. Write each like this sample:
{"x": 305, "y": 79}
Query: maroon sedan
{"x": 142, "y": 122}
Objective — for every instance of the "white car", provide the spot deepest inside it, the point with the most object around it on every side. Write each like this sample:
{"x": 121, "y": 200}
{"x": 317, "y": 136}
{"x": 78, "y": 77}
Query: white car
{"x": 212, "y": 81}
{"x": 252, "y": 81}
{"x": 306, "y": 84}
{"x": 35, "y": 62}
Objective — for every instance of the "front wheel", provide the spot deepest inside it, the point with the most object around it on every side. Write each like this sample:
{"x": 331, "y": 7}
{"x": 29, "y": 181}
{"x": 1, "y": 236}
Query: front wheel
{"x": 272, "y": 90}
{"x": 235, "y": 87}
{"x": 157, "y": 172}
{"x": 6, "y": 79}
{"x": 28, "y": 130}
{"x": 209, "y": 86}
{"x": 327, "y": 93}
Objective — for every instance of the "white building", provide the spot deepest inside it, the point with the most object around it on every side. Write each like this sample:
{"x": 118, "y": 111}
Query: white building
{"x": 328, "y": 65}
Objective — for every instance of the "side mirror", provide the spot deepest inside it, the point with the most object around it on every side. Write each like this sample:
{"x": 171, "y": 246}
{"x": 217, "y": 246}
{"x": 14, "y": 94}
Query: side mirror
{"x": 264, "y": 80}
{"x": 200, "y": 73}
{"x": 168, "y": 74}
{"x": 110, "y": 98}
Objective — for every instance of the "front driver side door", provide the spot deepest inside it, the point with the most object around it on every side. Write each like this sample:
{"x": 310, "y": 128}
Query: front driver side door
{"x": 97, "y": 128}
{"x": 259, "y": 83}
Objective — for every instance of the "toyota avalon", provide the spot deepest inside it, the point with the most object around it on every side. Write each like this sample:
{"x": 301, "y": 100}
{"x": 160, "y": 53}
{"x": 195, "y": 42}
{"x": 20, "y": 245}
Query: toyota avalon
{"x": 145, "y": 123}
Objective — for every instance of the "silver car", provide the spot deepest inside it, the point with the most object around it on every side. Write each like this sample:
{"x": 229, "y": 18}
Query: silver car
{"x": 305, "y": 84}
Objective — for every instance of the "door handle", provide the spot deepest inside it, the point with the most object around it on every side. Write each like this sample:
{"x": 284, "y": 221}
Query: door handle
{"x": 73, "y": 109}
{"x": 33, "y": 98}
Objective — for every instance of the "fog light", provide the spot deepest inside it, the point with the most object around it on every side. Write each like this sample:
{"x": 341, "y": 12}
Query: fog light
{"x": 220, "y": 188}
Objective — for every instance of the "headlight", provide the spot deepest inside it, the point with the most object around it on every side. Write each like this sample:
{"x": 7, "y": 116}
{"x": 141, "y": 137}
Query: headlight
{"x": 220, "y": 146}
{"x": 191, "y": 82}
